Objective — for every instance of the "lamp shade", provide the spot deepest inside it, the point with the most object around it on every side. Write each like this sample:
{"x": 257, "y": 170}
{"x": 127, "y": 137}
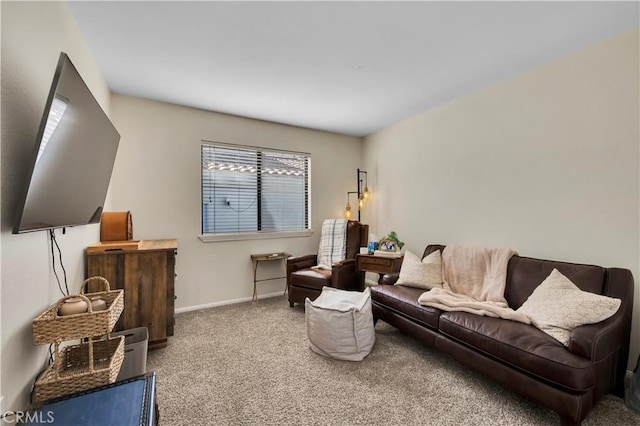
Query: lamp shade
{"x": 366, "y": 194}
{"x": 347, "y": 211}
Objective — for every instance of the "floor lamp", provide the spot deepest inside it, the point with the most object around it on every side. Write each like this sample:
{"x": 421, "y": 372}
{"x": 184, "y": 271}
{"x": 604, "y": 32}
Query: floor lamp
{"x": 363, "y": 195}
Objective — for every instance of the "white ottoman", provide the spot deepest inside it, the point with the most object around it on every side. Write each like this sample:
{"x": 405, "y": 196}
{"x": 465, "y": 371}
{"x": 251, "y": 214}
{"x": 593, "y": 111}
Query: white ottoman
{"x": 340, "y": 324}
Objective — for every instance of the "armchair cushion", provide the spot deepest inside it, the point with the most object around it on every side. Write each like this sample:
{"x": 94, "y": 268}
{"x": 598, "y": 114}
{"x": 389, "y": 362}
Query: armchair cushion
{"x": 313, "y": 278}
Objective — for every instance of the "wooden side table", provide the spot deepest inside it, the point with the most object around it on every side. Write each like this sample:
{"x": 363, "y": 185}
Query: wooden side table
{"x": 380, "y": 264}
{"x": 267, "y": 257}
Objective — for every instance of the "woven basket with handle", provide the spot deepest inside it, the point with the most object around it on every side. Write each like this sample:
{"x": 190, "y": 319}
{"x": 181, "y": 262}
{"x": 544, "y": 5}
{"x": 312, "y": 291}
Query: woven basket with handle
{"x": 49, "y": 327}
{"x": 80, "y": 367}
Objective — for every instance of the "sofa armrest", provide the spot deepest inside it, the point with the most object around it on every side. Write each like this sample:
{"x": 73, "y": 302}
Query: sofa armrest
{"x": 597, "y": 341}
{"x": 389, "y": 279}
{"x": 345, "y": 276}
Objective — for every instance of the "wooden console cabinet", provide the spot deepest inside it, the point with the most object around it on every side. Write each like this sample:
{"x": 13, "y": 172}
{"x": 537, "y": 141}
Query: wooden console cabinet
{"x": 146, "y": 273}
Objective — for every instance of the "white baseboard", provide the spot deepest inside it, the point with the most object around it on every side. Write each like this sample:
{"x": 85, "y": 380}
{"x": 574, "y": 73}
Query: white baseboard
{"x": 225, "y": 302}
{"x": 370, "y": 283}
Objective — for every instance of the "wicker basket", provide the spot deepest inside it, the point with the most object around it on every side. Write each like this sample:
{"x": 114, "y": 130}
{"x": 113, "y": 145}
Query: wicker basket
{"x": 80, "y": 367}
{"x": 49, "y": 327}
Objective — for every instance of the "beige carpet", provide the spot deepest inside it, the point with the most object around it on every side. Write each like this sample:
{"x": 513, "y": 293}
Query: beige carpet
{"x": 250, "y": 364}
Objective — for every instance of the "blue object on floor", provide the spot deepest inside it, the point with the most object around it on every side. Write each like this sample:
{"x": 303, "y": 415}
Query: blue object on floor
{"x": 126, "y": 403}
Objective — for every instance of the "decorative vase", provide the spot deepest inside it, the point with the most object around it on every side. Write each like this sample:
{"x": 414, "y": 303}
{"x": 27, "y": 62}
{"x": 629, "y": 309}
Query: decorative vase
{"x": 72, "y": 306}
{"x": 98, "y": 304}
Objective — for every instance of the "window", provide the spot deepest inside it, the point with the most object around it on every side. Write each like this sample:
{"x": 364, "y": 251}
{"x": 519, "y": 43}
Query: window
{"x": 249, "y": 190}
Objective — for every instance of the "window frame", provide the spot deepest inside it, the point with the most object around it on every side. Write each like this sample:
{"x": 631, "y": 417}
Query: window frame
{"x": 253, "y": 235}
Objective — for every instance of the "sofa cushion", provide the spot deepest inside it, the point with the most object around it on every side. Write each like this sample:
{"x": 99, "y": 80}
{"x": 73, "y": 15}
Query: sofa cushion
{"x": 311, "y": 278}
{"x": 404, "y": 300}
{"x": 557, "y": 306}
{"x": 522, "y": 346}
{"x": 425, "y": 274}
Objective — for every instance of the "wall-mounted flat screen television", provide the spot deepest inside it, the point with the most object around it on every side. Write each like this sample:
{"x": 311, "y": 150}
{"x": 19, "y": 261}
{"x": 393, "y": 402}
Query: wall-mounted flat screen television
{"x": 72, "y": 160}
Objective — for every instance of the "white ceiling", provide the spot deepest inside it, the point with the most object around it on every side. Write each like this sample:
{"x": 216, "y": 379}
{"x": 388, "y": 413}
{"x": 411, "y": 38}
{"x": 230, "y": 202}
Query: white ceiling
{"x": 345, "y": 67}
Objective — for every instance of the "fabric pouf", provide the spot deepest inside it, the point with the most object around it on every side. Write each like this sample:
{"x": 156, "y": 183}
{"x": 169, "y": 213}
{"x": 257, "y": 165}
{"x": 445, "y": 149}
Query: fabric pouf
{"x": 340, "y": 324}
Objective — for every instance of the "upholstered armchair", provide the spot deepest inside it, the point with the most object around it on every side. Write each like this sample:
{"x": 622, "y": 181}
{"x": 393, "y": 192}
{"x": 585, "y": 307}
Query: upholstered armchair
{"x": 303, "y": 281}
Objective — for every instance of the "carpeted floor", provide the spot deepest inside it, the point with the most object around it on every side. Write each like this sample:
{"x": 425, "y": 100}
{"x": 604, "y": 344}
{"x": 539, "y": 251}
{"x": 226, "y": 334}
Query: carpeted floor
{"x": 250, "y": 364}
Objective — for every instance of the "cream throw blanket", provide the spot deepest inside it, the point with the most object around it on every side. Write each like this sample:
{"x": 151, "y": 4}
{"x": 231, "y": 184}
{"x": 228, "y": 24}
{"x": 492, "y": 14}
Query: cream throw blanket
{"x": 474, "y": 281}
{"x": 333, "y": 243}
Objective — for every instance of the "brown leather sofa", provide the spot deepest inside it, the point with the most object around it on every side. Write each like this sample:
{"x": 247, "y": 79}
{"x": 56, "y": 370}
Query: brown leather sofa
{"x": 569, "y": 381}
{"x": 303, "y": 282}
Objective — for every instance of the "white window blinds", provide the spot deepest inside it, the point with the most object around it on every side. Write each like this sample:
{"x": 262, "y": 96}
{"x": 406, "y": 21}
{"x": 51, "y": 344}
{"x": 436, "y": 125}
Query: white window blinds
{"x": 247, "y": 189}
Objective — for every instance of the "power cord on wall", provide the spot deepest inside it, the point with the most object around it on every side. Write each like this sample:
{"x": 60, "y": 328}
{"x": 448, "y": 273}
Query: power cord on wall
{"x": 227, "y": 203}
{"x": 48, "y": 362}
{"x": 52, "y": 237}
{"x": 65, "y": 292}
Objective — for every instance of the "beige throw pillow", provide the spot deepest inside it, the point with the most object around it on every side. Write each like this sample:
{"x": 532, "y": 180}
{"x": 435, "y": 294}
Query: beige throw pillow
{"x": 425, "y": 273}
{"x": 557, "y": 306}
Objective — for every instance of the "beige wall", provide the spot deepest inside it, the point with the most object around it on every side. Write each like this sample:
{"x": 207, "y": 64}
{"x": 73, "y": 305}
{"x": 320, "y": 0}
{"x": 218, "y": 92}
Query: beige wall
{"x": 545, "y": 163}
{"x": 33, "y": 34}
{"x": 157, "y": 178}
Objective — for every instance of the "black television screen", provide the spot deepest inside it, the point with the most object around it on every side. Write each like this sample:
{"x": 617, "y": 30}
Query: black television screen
{"x": 73, "y": 157}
